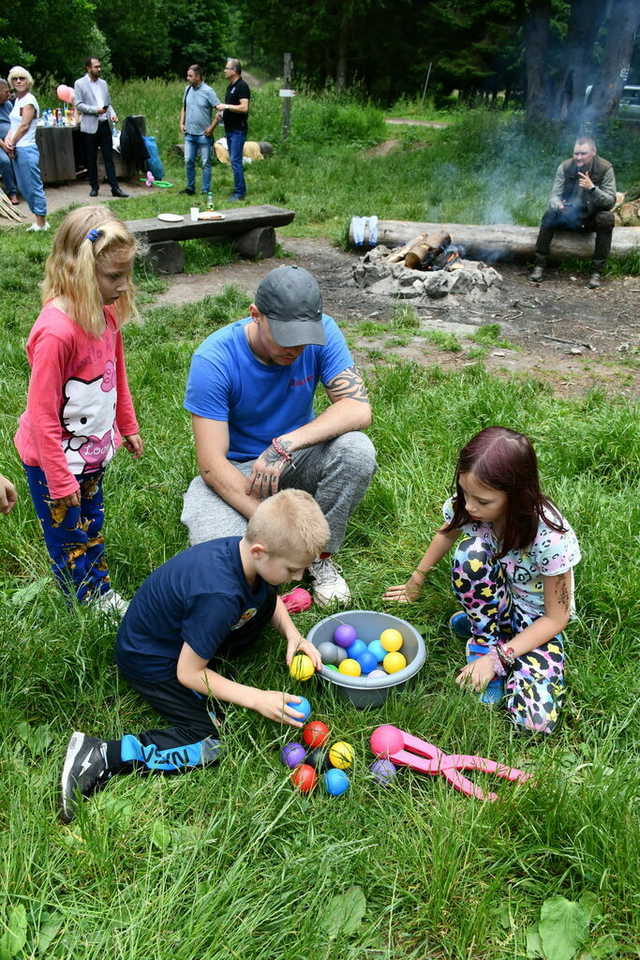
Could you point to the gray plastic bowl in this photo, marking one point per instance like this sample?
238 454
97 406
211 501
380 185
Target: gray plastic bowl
369 624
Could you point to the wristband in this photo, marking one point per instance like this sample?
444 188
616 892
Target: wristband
506 655
420 573
496 662
280 450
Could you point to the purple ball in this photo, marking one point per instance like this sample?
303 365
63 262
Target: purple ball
357 647
345 635
293 754
383 771
367 661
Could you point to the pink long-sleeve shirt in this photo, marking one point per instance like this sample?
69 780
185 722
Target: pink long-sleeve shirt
79 404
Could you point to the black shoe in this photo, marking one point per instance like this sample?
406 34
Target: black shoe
536 275
119 193
188 190
93 192
85 772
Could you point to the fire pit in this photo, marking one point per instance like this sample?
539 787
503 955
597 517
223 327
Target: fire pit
431 266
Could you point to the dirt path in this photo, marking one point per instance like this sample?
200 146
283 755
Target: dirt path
561 332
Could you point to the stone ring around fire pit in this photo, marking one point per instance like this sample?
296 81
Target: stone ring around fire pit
438 269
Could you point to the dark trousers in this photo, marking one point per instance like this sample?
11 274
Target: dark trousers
73 535
102 139
235 143
192 740
601 223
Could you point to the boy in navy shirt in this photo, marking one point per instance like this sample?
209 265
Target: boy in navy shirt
209 602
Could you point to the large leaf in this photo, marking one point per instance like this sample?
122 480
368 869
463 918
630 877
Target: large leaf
345 912
563 927
534 943
160 835
15 936
51 923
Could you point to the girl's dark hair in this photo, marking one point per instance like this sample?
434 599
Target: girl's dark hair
505 460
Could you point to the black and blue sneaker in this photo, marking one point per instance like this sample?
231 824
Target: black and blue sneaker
85 771
459 624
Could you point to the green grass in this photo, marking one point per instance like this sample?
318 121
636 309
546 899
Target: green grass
230 862
444 341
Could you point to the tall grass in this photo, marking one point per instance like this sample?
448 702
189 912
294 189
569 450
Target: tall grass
230 862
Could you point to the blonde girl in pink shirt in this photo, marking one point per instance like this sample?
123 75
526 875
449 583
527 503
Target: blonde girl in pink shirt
79 408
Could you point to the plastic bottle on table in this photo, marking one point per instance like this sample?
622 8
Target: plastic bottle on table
210 200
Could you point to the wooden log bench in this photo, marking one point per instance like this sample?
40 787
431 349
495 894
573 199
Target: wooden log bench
496 241
252 230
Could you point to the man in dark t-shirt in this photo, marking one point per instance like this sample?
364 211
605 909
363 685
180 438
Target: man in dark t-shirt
235 113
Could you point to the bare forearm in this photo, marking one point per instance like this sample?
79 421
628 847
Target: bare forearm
282 621
215 685
337 419
539 632
229 484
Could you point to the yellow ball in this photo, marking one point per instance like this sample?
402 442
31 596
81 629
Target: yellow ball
341 755
351 668
301 667
393 662
391 640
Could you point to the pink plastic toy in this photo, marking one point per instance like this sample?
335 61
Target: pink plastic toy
407 751
297 600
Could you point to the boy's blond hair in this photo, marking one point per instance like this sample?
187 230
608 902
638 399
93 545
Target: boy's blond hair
289 524
87 236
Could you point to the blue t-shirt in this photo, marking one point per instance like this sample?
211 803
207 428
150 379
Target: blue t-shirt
199 103
259 401
198 597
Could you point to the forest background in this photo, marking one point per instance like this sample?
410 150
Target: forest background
541 53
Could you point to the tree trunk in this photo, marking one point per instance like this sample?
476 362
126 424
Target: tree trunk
345 15
584 25
623 24
498 241
536 38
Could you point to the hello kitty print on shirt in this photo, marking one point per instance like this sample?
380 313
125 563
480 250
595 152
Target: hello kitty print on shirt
88 420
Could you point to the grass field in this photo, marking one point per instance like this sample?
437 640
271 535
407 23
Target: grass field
230 862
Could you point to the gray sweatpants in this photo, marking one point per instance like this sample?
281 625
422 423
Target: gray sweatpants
337 473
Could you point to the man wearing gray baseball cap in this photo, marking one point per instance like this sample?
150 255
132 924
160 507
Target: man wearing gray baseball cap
250 394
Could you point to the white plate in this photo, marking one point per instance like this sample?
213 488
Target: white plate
170 217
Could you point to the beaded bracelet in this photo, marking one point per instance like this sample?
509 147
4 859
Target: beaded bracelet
496 662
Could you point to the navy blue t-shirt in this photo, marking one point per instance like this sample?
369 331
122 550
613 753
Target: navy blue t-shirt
198 597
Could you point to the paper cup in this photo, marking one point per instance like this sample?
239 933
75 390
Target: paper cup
195 213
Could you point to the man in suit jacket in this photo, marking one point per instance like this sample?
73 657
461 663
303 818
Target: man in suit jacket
93 103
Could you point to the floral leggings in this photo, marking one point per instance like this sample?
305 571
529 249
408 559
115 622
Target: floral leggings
535 686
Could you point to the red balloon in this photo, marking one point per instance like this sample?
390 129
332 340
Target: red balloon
304 778
316 733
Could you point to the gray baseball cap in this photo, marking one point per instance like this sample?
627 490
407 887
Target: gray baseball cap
291 301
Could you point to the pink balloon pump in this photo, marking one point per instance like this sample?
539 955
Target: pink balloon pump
65 93
149 182
405 750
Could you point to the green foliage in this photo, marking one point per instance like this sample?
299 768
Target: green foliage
50 33
444 341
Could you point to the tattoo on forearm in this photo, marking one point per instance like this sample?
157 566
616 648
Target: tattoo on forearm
348 385
562 593
272 456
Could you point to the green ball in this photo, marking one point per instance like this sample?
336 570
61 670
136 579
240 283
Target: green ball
331 666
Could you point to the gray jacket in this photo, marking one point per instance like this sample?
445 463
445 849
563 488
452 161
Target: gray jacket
567 190
84 92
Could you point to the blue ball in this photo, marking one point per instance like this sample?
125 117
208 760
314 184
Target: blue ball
303 707
336 782
357 647
376 648
367 661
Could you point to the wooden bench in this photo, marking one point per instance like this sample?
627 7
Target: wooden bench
252 230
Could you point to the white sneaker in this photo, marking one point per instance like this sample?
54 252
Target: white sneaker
35 228
328 585
111 603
